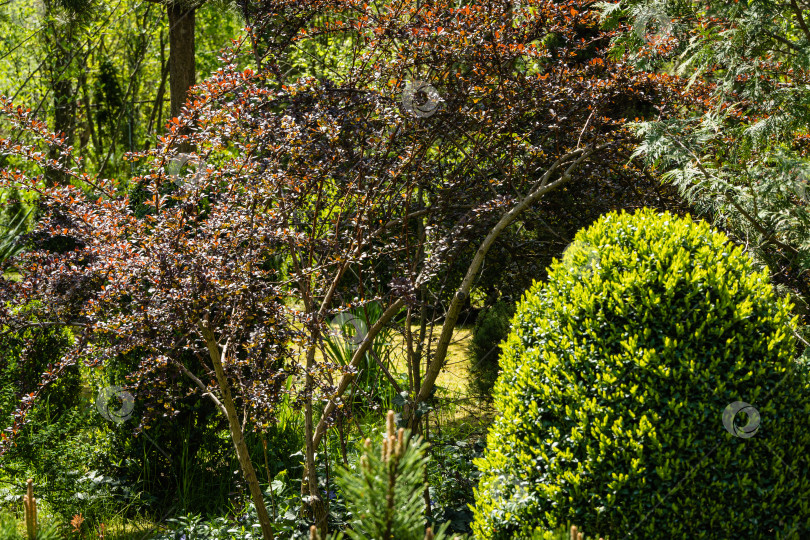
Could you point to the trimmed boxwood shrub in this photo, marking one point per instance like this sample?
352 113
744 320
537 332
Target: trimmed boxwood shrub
614 381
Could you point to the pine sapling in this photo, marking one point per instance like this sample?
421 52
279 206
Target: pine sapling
385 494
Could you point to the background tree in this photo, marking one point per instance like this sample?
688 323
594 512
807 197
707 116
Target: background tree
739 153
182 68
110 64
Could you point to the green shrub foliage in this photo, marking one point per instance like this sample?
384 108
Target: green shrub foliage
24 356
491 328
613 386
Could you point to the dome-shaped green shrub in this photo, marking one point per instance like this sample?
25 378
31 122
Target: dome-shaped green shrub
615 378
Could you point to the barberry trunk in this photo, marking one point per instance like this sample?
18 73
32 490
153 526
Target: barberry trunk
237 437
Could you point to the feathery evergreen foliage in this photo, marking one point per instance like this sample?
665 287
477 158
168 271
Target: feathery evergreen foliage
740 150
385 495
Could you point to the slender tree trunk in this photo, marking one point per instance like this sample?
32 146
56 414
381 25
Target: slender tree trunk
91 121
64 106
420 344
182 70
237 437
315 501
309 481
61 50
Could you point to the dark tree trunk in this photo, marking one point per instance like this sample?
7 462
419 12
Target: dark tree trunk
182 72
61 50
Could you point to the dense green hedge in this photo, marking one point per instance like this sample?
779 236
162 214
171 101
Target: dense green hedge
615 379
490 330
